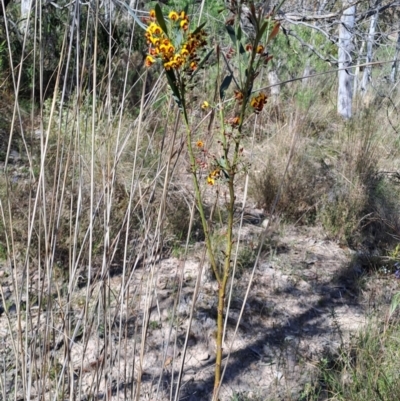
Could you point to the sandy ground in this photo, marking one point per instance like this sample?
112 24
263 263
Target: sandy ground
308 295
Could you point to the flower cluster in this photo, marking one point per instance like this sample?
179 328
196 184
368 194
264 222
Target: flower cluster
162 47
214 175
257 103
259 50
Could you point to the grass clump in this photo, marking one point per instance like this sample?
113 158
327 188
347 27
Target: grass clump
366 369
335 180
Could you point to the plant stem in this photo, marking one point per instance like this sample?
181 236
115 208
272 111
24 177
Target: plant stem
199 200
225 278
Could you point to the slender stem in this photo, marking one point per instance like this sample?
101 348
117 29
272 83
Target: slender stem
220 327
199 200
223 284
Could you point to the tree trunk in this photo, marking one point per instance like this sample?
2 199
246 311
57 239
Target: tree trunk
25 10
370 44
393 72
275 87
346 31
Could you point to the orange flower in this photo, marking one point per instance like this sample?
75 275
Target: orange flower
154 51
238 96
233 121
200 144
149 61
258 102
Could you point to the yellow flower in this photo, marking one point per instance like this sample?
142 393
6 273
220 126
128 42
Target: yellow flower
184 24
205 105
178 59
193 65
214 175
260 49
155 41
149 61
182 15
200 144
258 102
152 14
184 52
168 65
167 49
154 29
173 16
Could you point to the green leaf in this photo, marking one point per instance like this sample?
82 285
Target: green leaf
225 85
239 33
199 28
186 8
160 19
206 57
261 31
232 35
172 84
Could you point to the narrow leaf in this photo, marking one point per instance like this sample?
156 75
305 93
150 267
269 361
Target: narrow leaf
199 28
274 31
261 31
239 33
225 85
206 57
160 19
231 33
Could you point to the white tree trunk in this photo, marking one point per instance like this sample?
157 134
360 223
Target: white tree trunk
393 72
356 81
370 44
108 7
275 87
24 20
345 91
